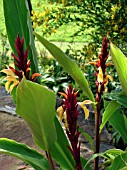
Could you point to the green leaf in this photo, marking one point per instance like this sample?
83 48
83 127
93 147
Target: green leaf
114 151
110 109
91 158
36 105
84 162
124 168
18 21
107 155
24 153
122 99
88 137
125 121
117 121
13 94
119 162
69 65
59 151
120 62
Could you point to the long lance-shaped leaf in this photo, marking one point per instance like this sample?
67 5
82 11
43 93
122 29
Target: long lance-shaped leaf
110 109
114 152
92 158
24 153
88 137
84 162
60 152
68 64
17 21
36 105
111 152
122 99
118 122
119 162
120 62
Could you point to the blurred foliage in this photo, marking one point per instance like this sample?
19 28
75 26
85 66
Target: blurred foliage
98 17
4 56
53 75
102 17
5 59
117 139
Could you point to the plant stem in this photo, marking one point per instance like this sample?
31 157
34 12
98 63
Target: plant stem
50 160
97 125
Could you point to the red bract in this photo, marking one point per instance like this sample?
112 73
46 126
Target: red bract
70 107
22 64
21 61
100 73
102 77
103 56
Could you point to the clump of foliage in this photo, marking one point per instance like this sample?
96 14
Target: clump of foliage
100 17
4 56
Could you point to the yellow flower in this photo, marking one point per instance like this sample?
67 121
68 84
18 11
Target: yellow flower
112 16
122 30
41 15
100 75
36 13
46 19
106 79
53 30
47 11
115 28
32 12
11 79
114 8
63 2
86 111
62 116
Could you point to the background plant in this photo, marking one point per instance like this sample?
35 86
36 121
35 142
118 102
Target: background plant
4 55
4 59
100 17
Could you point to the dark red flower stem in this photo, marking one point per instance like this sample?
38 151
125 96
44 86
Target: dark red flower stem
97 125
101 63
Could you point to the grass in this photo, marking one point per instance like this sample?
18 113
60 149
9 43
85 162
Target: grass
62 38
63 34
2 23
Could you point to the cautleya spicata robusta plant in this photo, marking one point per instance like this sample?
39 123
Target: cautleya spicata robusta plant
23 83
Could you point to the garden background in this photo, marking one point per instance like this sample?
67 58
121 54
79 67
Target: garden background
78 28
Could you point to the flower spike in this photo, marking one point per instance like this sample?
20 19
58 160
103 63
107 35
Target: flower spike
22 64
69 113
